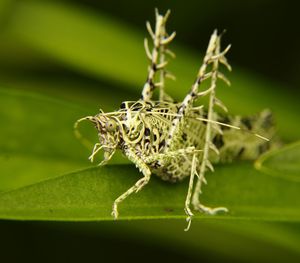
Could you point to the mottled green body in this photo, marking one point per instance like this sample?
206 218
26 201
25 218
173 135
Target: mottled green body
149 132
178 140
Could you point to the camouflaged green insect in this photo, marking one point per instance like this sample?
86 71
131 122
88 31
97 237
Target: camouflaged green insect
177 140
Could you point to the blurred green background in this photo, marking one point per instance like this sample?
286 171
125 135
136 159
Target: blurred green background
90 54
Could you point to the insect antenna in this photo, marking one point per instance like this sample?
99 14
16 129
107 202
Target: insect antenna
87 143
212 121
234 127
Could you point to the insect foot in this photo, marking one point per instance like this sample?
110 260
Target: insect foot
115 212
189 218
209 210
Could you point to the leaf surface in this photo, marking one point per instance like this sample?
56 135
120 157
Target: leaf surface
88 195
283 163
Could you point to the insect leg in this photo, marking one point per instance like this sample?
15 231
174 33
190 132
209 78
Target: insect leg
96 149
189 194
108 154
157 57
208 144
137 186
200 207
213 56
171 154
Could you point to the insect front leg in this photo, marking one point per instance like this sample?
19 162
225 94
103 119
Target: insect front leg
137 186
108 154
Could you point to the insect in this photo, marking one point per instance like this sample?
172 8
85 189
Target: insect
178 140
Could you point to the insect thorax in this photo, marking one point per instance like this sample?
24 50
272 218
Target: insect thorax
144 128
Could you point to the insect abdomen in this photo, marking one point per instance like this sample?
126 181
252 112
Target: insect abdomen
243 144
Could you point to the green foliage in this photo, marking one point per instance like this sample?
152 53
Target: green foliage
283 163
89 194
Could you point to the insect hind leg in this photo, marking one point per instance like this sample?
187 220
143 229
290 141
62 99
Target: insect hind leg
157 57
200 207
189 194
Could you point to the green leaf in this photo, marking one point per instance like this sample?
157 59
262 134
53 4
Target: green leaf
4 7
100 47
30 148
37 139
283 163
89 194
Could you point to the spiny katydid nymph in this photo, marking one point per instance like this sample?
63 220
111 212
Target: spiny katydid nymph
177 140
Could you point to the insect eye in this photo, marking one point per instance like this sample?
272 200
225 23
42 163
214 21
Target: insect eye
111 125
